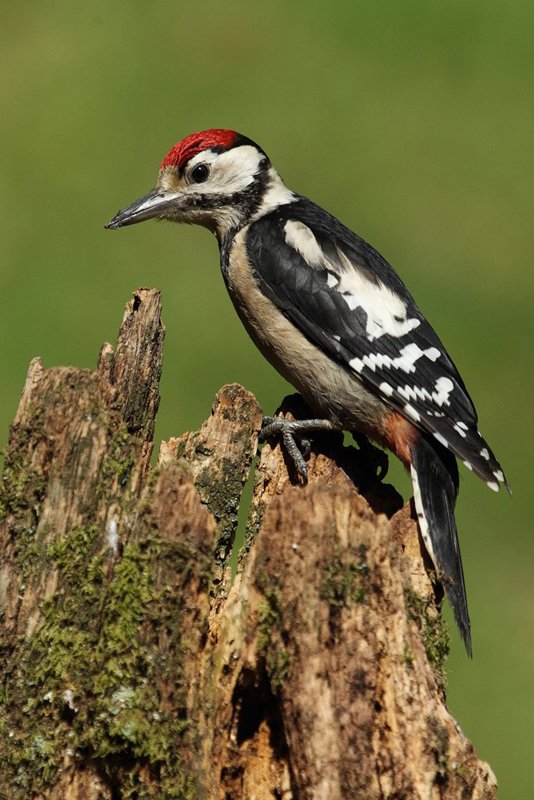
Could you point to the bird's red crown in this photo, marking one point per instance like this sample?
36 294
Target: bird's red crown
180 154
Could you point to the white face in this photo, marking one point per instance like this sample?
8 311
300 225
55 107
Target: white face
220 191
226 175
229 172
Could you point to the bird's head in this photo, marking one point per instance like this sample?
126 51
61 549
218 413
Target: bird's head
216 178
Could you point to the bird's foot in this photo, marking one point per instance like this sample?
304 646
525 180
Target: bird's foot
377 458
287 429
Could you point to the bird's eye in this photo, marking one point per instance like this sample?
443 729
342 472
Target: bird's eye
200 173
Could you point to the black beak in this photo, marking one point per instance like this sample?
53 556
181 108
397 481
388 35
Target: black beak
153 204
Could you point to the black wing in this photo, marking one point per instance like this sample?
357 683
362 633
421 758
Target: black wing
346 299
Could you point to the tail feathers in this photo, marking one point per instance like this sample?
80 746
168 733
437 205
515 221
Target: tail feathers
435 486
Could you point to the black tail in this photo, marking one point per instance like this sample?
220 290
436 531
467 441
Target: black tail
435 488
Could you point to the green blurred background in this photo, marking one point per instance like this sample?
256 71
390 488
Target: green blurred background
412 121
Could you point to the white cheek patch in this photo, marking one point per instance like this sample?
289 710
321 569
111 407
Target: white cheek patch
231 172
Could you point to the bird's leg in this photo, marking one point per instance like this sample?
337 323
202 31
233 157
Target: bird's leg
286 428
377 458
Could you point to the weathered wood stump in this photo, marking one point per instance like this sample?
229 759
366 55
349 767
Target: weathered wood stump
134 667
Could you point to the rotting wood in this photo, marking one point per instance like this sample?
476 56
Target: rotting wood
133 668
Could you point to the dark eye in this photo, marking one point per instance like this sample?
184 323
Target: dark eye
199 173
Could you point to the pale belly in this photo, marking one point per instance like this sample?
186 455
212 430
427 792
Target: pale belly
332 391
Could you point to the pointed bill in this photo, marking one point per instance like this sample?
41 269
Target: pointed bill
153 204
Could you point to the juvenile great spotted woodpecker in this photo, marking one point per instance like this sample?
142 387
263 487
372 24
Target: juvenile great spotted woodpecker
333 317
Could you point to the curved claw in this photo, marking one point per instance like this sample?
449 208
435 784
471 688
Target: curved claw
274 426
278 426
294 453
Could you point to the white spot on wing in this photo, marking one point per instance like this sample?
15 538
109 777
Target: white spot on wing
485 453
386 388
405 360
441 439
493 486
443 388
499 475
457 427
468 465
412 412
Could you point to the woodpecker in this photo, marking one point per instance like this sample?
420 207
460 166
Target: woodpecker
334 318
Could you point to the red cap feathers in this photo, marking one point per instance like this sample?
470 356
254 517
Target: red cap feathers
195 143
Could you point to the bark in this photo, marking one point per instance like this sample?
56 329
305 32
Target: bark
134 667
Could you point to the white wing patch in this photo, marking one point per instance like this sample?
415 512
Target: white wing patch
302 239
404 361
386 388
385 311
412 412
460 428
440 396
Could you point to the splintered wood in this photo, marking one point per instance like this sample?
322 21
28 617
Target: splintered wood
134 665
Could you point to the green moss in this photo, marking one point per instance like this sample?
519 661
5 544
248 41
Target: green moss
434 632
270 638
21 492
408 656
89 679
123 453
269 613
344 580
462 771
222 496
20 489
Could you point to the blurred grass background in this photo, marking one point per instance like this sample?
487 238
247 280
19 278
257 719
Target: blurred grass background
411 121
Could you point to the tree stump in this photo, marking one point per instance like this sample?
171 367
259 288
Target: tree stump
134 665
